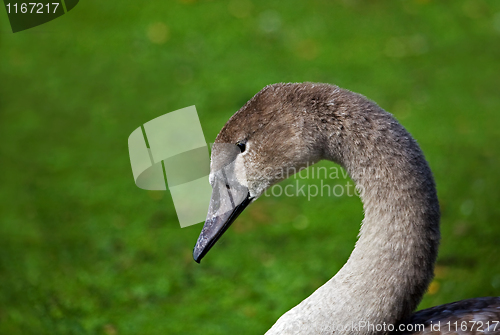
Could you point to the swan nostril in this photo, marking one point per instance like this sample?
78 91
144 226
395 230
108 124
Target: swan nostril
227 186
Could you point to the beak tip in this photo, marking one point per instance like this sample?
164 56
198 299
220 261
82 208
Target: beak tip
214 228
197 256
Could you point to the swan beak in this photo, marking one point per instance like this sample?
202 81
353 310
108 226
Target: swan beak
217 223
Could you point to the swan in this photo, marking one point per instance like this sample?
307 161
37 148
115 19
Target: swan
286 127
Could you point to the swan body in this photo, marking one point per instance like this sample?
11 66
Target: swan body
286 127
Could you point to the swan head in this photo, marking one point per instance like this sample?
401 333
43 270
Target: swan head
263 143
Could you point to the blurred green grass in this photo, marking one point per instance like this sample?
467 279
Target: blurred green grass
84 251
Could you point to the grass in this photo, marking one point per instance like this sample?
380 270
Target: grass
84 251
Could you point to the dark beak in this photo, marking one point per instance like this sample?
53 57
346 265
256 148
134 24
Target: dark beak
229 197
215 226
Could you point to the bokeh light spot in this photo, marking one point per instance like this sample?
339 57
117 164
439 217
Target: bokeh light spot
158 32
307 49
301 222
240 8
433 288
156 195
269 21
440 271
474 9
467 207
401 109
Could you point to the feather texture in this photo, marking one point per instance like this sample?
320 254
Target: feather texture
288 126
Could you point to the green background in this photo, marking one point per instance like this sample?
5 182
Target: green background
84 251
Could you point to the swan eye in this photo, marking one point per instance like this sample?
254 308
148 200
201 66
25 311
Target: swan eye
241 145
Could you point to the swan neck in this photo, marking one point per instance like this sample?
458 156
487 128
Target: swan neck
392 263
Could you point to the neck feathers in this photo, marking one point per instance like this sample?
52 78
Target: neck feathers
393 261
